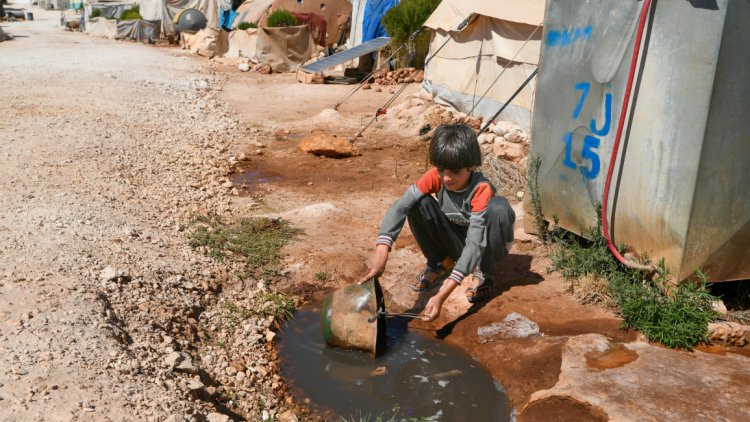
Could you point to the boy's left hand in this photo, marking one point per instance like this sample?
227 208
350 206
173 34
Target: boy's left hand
432 310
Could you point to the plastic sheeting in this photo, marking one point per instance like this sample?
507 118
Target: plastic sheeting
243 44
374 10
285 48
165 10
357 22
102 27
4 36
468 64
335 12
112 10
138 30
316 24
252 11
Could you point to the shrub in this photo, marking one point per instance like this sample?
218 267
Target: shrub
280 18
246 25
403 20
131 14
95 13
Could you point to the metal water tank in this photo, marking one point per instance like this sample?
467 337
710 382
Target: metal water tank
681 185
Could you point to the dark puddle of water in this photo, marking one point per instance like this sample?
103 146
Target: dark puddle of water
424 377
248 180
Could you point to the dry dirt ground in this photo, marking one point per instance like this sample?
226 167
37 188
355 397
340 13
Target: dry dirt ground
108 150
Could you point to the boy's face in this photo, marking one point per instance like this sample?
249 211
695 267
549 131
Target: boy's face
454 179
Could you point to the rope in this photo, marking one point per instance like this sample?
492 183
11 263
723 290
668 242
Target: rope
523 85
504 69
366 78
384 109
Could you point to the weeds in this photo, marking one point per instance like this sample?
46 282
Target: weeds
280 18
277 304
133 13
256 241
676 316
242 26
321 276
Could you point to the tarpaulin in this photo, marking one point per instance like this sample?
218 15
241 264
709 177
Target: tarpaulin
252 11
374 10
112 10
316 24
335 12
102 27
285 48
138 30
243 44
165 10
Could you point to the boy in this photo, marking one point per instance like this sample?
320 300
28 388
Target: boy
462 226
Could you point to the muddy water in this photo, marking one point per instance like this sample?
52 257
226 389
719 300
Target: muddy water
249 180
417 377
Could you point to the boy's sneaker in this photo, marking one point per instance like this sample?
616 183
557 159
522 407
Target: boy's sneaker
484 288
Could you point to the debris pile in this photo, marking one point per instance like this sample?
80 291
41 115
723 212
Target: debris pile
398 76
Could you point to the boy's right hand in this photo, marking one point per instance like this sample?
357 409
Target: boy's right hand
376 263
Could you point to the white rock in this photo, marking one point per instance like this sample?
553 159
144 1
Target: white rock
217 417
110 273
514 325
244 67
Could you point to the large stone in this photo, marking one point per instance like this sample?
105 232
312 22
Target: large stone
327 146
729 333
508 150
640 381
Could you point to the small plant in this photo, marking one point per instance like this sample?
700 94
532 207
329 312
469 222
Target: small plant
321 276
540 224
246 25
676 316
277 304
402 21
280 18
95 13
131 14
256 241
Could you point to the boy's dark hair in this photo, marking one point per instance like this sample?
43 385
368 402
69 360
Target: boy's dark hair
455 147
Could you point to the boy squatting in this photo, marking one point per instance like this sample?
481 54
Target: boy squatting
462 227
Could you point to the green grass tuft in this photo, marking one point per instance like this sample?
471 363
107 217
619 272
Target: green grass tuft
246 25
256 241
280 18
131 14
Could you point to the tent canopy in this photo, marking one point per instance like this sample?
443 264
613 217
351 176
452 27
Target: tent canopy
450 13
490 55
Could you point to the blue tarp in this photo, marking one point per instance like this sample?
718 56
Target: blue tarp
226 18
374 11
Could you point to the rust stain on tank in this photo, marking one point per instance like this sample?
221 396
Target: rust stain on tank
615 357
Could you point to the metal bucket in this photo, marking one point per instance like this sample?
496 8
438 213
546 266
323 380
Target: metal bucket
351 319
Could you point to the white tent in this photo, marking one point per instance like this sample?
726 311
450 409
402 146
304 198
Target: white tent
495 39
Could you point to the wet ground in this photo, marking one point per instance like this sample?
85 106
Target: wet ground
418 376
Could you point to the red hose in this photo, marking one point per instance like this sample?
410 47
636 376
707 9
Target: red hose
616 146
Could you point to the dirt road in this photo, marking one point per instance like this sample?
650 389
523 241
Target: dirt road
108 150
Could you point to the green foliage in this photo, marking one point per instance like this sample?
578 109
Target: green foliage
276 304
676 316
402 21
256 241
407 17
321 276
131 14
95 13
280 18
246 25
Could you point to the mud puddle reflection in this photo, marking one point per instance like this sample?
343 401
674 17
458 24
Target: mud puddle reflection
418 376
248 180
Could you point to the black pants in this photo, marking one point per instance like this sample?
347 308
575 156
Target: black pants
439 238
